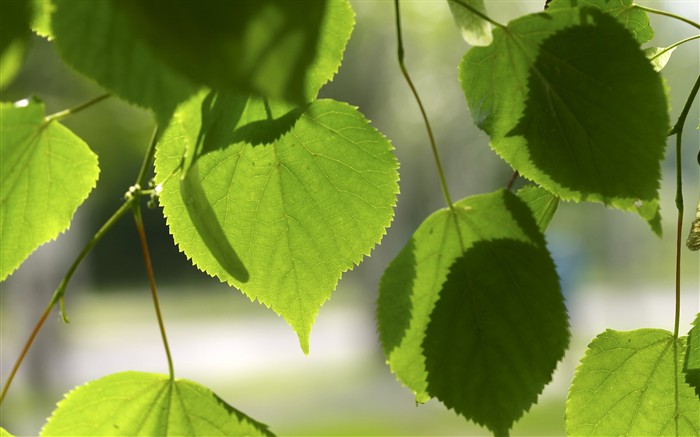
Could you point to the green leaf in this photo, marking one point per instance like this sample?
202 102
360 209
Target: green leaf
630 383
272 48
4 433
659 56
470 311
138 403
14 30
278 207
583 118
41 23
635 20
46 173
691 367
542 203
475 30
97 39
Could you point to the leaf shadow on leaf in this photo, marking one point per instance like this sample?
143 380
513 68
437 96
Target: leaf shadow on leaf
394 307
692 369
208 226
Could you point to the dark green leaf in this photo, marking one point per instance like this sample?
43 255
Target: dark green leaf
137 403
274 48
276 205
97 39
542 203
691 367
46 173
14 30
470 311
583 118
631 383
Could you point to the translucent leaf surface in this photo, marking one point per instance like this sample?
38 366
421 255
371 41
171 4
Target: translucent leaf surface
542 203
97 39
148 404
470 311
691 366
46 173
475 30
273 48
278 207
41 22
4 433
583 118
631 383
658 56
635 20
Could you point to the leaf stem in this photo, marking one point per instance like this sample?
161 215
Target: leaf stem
673 46
511 181
66 112
148 159
436 155
480 14
666 14
58 295
152 281
678 131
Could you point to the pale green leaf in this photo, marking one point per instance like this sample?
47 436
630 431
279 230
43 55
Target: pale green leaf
147 404
659 56
635 20
46 172
691 367
41 22
631 383
471 312
97 39
278 49
475 30
542 203
583 118
278 207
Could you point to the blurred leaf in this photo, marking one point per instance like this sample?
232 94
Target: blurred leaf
41 23
97 39
542 203
274 48
470 311
279 204
14 30
46 173
631 383
691 366
543 92
659 56
4 433
137 403
635 20
475 30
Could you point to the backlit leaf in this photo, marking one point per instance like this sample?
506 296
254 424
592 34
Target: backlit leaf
691 367
658 56
4 433
41 22
542 203
46 173
583 118
278 207
470 311
631 383
475 30
137 403
273 48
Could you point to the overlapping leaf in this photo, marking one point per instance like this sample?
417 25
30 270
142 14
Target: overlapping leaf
276 201
269 47
137 403
46 173
542 203
475 30
631 383
585 119
14 29
470 311
691 366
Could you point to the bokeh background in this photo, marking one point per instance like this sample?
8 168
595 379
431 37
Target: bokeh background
615 273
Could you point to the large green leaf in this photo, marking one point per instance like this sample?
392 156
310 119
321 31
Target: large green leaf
691 367
46 172
277 202
635 20
470 311
631 383
148 404
97 39
274 48
475 30
584 118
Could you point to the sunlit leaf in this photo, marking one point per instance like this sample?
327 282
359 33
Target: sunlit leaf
276 205
691 367
658 56
631 383
475 30
470 311
272 48
4 433
542 203
41 22
137 403
46 173
583 118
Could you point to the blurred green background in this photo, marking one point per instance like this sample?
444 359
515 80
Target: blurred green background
615 272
